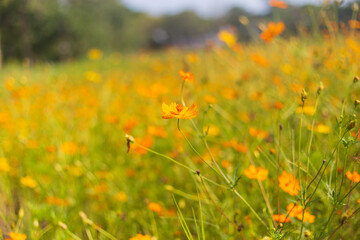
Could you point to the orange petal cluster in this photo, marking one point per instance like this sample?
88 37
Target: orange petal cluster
295 210
258 173
16 236
273 30
141 237
281 218
235 145
178 111
278 4
155 207
187 76
353 176
289 183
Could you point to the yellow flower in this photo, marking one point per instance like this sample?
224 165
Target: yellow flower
28 182
121 197
94 54
16 236
92 76
178 111
4 166
308 110
227 37
69 148
141 237
258 173
321 128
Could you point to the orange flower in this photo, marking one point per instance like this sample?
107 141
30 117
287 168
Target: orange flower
297 211
147 142
353 176
187 76
354 24
278 4
289 183
272 31
16 236
235 145
260 60
155 207
281 218
141 237
258 173
178 111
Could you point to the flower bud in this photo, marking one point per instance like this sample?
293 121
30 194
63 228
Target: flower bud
356 79
304 95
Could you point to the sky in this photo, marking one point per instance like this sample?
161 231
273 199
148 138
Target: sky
205 7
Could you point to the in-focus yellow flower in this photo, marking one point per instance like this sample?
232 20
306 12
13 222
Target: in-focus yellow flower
28 182
178 111
187 76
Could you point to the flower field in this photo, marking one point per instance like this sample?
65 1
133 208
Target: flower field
250 141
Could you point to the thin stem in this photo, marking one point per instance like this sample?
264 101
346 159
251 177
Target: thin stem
248 205
336 229
217 207
164 156
193 148
263 192
180 164
278 171
310 141
299 164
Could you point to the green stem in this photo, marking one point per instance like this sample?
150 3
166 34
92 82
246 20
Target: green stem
197 153
180 164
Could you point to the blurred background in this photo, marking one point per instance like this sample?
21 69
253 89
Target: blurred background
55 30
